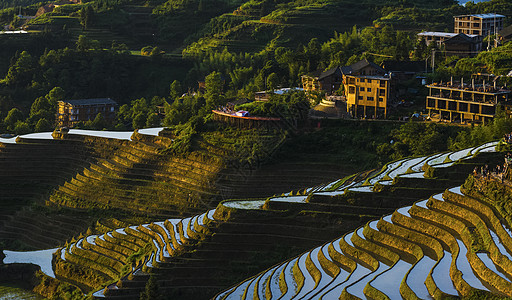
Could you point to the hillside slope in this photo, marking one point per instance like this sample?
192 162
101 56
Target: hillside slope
198 256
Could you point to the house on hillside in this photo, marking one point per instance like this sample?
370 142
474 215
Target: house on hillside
404 70
328 81
479 24
401 72
367 96
463 102
70 112
460 44
367 90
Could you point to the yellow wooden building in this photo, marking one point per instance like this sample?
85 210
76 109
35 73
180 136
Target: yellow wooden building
367 96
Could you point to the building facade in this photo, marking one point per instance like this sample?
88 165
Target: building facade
460 44
463 103
328 81
479 24
367 96
70 112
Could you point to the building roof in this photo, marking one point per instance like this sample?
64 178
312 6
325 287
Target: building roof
96 101
372 77
482 16
329 72
444 34
461 37
347 70
403 66
436 33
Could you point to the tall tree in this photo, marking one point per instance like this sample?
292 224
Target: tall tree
86 15
22 70
83 43
175 90
421 49
272 81
13 116
214 86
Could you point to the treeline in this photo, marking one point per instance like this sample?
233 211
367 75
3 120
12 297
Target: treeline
16 3
250 72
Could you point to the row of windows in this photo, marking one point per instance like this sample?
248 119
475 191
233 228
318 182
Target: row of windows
361 98
468 24
382 83
77 111
352 90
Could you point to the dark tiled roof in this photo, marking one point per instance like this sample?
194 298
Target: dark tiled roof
403 66
329 72
96 101
461 37
359 65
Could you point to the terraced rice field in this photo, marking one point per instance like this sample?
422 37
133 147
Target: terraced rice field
382 258
413 251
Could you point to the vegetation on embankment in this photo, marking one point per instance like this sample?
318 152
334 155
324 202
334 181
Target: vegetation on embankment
361 145
492 191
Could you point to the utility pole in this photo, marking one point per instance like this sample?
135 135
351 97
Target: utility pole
495 32
433 60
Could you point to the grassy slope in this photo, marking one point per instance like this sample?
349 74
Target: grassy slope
295 22
239 25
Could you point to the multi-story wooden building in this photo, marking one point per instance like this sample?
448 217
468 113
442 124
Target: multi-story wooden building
367 96
460 44
462 102
479 24
328 81
70 112
367 90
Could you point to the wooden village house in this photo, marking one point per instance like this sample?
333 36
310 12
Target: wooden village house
70 112
328 81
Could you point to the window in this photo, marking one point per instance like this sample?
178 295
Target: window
382 83
381 99
359 97
369 90
362 79
382 92
369 98
351 90
361 89
369 81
